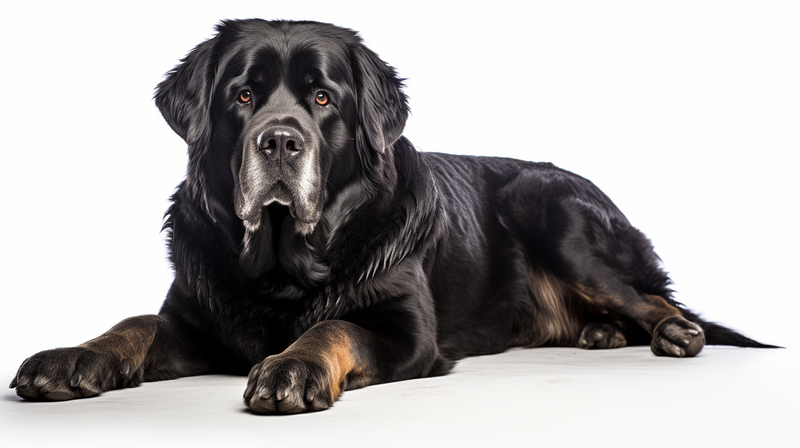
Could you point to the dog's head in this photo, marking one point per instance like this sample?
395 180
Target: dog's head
281 112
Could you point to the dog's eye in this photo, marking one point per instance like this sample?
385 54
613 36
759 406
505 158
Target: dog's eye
245 96
321 98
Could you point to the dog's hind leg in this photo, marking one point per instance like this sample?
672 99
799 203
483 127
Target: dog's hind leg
571 229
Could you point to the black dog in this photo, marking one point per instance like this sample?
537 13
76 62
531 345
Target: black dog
316 249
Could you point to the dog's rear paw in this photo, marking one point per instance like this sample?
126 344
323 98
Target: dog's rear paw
596 335
677 337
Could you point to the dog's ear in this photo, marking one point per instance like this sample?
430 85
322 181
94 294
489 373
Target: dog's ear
183 96
382 105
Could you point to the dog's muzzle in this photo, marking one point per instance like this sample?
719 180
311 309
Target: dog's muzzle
279 165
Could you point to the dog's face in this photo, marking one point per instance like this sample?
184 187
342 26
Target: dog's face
280 112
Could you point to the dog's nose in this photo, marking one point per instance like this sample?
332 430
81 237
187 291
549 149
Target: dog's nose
281 141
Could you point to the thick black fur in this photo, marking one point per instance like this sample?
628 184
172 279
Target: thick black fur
348 258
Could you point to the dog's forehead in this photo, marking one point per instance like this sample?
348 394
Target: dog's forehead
317 46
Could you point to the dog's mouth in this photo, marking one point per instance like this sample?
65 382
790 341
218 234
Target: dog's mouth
279 193
249 208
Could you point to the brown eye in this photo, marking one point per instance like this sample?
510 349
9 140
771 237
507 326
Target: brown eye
321 98
245 96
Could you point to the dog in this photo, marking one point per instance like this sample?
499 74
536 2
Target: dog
316 250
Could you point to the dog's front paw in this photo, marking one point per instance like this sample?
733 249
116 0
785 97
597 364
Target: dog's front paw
283 384
67 373
677 337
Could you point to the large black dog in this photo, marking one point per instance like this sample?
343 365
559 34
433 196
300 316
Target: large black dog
316 249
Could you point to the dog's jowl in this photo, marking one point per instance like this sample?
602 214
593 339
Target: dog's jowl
316 250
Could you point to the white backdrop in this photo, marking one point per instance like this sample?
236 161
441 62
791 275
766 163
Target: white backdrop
685 113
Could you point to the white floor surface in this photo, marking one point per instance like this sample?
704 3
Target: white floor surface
562 397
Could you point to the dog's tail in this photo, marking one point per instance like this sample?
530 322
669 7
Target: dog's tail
717 334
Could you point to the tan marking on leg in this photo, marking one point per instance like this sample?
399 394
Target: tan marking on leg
560 310
339 362
549 294
129 340
647 310
331 344
653 311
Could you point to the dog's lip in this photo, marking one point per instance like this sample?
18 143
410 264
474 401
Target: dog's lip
277 193
249 207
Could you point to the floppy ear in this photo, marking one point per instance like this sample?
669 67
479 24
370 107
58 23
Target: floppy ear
183 96
382 105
